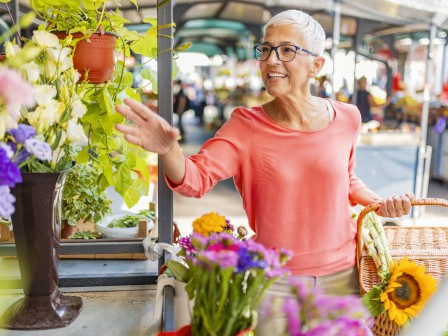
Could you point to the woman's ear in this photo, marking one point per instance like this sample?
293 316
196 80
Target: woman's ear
318 64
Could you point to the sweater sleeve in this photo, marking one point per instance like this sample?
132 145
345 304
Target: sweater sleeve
355 182
218 159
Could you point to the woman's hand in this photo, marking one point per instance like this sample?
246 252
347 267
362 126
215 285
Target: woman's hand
148 130
396 206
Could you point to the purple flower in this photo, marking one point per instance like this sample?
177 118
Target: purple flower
6 202
39 148
248 259
185 243
292 310
223 258
9 172
23 132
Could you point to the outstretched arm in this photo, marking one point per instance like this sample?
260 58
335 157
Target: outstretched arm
155 134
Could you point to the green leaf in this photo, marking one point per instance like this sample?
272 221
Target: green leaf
146 45
372 301
83 155
180 272
150 75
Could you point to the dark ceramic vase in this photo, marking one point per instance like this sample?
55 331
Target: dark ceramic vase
37 225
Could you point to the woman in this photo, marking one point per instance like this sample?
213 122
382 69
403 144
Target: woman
292 158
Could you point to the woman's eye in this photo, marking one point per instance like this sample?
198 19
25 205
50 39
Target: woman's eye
287 50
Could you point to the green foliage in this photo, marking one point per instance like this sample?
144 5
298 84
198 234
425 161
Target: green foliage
82 196
85 235
129 221
179 271
119 164
372 301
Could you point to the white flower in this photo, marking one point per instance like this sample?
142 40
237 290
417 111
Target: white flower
6 201
31 71
8 150
78 109
44 39
61 57
75 134
76 76
50 70
44 94
57 153
6 122
11 49
39 148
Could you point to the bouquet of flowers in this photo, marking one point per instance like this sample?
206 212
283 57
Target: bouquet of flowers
47 65
18 142
404 288
311 313
227 277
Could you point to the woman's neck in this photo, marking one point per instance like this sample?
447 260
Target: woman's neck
301 113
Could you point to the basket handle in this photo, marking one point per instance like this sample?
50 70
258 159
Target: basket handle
376 206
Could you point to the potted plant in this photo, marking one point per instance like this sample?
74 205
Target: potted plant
82 199
95 32
124 225
121 165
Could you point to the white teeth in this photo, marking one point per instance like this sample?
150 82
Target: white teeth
277 75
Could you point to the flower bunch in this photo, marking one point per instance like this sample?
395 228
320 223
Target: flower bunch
204 225
309 312
229 277
404 288
46 63
17 141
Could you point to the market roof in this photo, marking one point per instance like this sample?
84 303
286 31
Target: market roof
217 25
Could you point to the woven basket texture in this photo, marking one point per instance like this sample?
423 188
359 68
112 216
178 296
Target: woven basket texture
425 245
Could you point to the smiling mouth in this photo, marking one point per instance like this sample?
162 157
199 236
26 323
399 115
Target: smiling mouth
276 75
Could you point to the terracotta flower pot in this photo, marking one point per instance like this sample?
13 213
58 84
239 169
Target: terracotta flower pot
94 55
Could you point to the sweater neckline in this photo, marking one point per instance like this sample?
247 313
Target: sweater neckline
273 122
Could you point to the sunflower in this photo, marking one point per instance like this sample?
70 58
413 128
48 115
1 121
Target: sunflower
407 291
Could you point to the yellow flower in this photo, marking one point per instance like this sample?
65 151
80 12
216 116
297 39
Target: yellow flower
209 223
407 291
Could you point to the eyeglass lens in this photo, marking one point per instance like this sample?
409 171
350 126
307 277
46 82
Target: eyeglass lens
285 53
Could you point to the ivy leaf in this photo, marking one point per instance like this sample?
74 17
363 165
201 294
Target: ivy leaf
372 301
150 75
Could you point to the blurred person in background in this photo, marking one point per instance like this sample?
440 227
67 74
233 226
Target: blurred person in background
365 101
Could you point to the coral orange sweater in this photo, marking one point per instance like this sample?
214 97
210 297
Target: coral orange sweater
296 186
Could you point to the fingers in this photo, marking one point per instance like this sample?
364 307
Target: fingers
396 206
127 129
139 109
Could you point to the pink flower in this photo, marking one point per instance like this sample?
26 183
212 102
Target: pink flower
14 91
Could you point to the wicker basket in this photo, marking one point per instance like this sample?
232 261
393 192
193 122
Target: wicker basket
425 245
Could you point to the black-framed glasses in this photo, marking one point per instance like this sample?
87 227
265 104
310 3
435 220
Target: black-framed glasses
284 52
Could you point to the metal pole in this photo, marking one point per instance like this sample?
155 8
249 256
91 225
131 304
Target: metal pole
424 121
336 37
165 110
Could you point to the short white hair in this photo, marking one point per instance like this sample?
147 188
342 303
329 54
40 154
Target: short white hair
312 32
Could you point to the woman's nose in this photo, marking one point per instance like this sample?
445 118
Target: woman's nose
273 57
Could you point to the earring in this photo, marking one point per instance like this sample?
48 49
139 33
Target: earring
311 74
